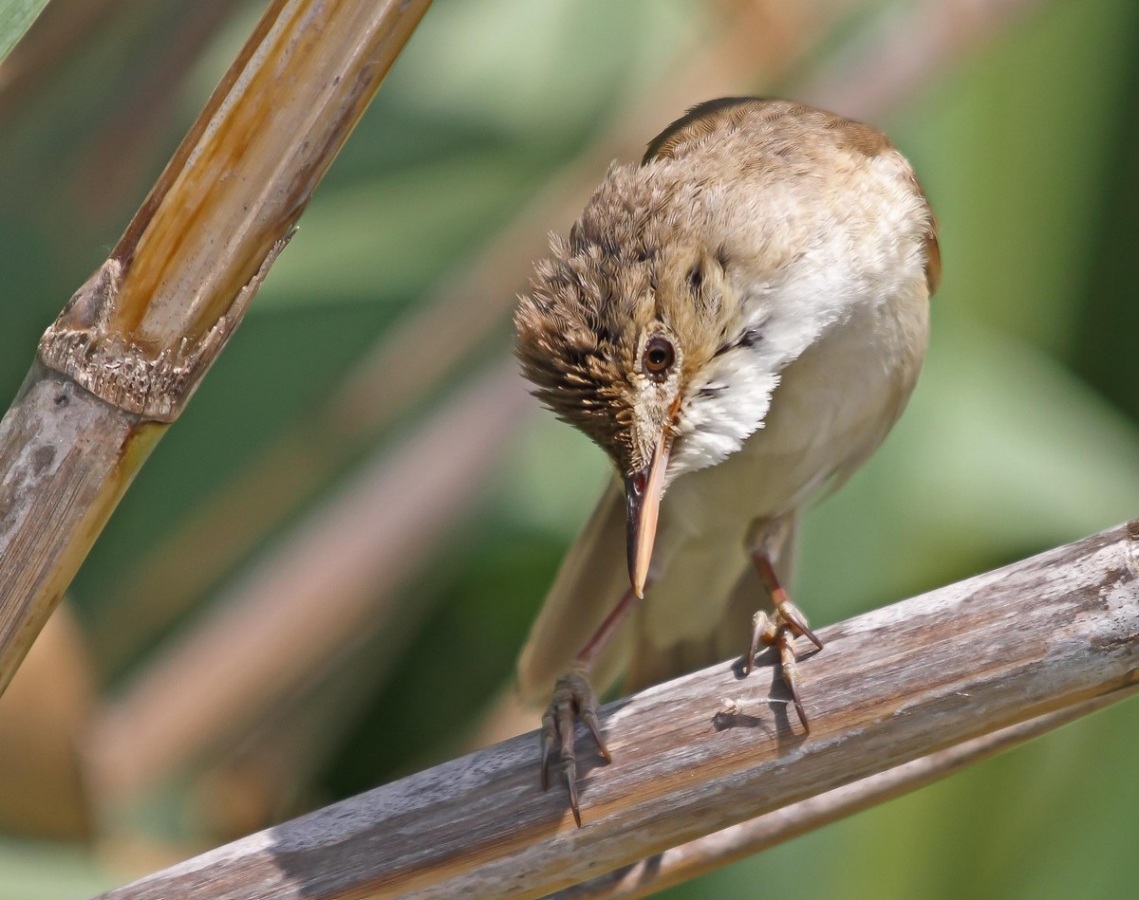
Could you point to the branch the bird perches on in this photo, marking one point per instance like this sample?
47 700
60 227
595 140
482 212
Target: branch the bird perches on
960 671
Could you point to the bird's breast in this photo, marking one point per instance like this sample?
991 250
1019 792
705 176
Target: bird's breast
833 406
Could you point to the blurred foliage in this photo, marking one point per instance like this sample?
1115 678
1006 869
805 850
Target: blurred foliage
16 17
1024 432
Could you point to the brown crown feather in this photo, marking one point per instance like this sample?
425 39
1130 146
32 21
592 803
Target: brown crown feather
570 345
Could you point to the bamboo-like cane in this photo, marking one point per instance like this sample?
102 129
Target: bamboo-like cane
128 350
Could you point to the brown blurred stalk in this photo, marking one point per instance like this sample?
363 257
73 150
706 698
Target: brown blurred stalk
110 167
331 583
128 350
60 28
44 718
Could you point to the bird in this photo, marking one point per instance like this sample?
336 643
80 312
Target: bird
737 321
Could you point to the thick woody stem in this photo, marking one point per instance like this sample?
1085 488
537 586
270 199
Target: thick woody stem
1056 633
708 853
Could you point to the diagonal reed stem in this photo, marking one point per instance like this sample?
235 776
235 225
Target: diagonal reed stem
128 350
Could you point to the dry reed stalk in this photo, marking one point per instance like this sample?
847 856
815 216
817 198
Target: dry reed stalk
128 350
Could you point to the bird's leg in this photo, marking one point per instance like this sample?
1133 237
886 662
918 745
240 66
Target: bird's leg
573 697
786 612
779 629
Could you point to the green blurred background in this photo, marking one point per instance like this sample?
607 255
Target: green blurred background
1023 433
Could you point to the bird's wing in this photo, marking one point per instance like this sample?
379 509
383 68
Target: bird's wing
590 582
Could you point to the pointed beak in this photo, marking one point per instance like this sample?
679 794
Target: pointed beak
643 490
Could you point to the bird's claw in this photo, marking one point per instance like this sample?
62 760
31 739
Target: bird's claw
573 697
788 614
780 630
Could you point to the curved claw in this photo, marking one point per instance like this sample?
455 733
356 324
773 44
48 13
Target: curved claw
778 630
573 697
791 674
796 620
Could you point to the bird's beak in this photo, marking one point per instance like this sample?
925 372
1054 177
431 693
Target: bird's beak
643 490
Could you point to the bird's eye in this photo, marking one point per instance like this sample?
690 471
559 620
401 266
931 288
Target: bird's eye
659 357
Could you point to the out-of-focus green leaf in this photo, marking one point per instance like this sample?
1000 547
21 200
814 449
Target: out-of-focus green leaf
384 238
31 871
1001 453
1012 150
16 17
567 58
556 476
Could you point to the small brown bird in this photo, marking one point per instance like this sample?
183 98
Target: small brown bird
737 322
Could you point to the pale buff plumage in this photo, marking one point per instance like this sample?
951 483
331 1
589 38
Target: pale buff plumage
788 255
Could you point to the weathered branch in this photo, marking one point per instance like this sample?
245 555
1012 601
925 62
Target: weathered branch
130 347
739 841
892 686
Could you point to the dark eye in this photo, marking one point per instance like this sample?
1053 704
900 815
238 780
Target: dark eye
658 357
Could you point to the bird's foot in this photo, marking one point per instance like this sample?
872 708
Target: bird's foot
573 697
780 630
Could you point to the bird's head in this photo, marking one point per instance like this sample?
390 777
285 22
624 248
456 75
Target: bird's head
635 332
